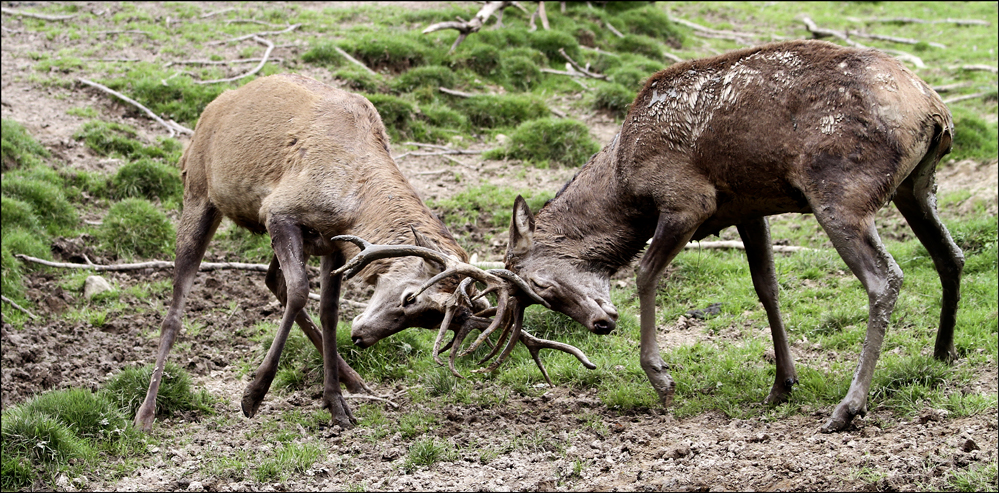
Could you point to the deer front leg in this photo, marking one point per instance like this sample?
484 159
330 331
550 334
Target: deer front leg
857 241
348 377
286 239
329 314
755 235
197 226
672 233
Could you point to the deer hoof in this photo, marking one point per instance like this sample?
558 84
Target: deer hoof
250 404
340 412
144 420
781 391
842 416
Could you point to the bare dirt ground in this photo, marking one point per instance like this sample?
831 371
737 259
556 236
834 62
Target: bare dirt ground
562 440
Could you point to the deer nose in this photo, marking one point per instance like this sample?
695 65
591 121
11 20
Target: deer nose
359 341
603 326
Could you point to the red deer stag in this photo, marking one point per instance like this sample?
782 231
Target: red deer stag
802 126
304 161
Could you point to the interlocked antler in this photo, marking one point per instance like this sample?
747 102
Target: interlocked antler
509 311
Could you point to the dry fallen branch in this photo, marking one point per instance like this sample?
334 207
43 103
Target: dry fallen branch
819 33
373 398
261 34
44 17
951 87
981 68
173 127
126 31
968 96
893 39
465 28
580 68
263 61
217 12
249 21
613 30
354 60
19 307
457 93
540 12
218 62
738 245
707 32
910 20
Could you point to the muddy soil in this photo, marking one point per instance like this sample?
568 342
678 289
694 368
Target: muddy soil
560 440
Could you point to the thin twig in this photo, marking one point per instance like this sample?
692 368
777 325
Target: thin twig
714 33
579 67
982 68
172 127
248 21
127 31
613 30
263 61
457 93
217 12
557 112
33 15
371 397
910 20
672 57
968 96
951 87
153 264
354 60
465 28
19 307
219 62
738 245
893 39
250 36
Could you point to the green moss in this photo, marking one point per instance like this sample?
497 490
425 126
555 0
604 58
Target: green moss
148 179
614 98
19 149
134 227
501 110
521 73
564 142
430 76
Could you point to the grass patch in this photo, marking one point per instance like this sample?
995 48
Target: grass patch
128 389
18 148
427 451
287 460
561 142
148 179
136 228
502 110
486 206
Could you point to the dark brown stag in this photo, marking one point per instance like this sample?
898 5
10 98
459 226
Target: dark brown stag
804 126
304 161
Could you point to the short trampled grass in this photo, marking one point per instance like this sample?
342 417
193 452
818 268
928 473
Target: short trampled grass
427 451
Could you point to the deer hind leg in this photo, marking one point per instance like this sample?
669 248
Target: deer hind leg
197 225
672 233
286 239
857 241
329 315
348 377
755 235
916 201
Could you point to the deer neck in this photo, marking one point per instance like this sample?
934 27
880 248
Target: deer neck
594 219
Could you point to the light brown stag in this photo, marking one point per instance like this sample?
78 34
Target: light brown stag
802 126
303 161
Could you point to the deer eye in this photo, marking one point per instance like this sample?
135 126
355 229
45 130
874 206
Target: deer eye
408 299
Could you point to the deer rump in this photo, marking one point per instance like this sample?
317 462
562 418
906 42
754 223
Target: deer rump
803 126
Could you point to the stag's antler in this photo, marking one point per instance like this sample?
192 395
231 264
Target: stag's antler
509 310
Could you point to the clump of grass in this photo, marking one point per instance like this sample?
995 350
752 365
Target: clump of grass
360 80
128 389
288 460
34 446
134 227
110 139
550 42
521 72
976 478
545 141
397 114
148 179
974 138
629 76
381 52
904 383
432 76
502 110
487 205
653 22
44 196
427 451
613 98
94 416
19 148
479 58
182 100
639 44
323 54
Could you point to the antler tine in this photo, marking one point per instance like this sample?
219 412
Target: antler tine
371 252
507 325
452 304
501 304
520 283
455 345
517 324
536 344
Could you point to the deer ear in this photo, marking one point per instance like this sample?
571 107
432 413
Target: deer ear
521 228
